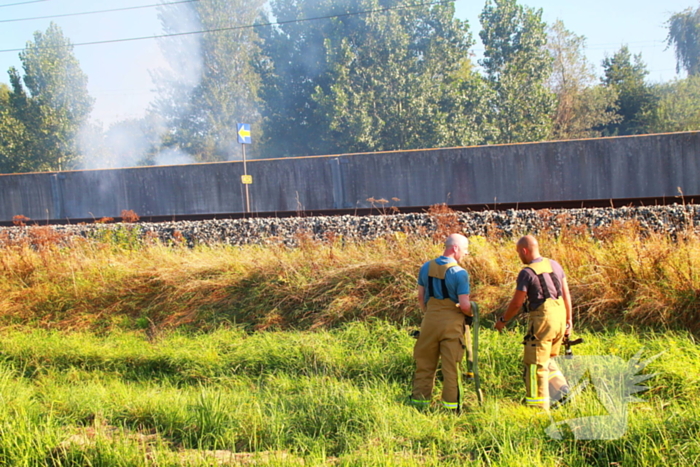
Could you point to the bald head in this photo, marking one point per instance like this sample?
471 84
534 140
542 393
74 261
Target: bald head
456 239
456 246
528 249
529 242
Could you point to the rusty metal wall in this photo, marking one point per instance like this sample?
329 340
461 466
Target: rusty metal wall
605 168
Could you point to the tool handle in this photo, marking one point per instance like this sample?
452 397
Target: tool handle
475 353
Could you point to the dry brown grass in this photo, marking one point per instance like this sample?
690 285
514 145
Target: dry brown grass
617 275
446 221
129 216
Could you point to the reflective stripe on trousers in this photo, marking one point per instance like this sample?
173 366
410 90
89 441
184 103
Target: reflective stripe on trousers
450 405
546 327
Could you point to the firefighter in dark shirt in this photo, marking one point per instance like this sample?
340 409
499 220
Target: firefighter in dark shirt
542 287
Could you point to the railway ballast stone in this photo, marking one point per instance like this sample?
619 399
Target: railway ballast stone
293 230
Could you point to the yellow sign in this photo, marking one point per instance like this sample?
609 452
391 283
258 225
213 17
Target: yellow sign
247 179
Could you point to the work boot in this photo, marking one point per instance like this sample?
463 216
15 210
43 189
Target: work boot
562 398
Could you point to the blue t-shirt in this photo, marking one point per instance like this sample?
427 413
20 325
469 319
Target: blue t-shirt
456 279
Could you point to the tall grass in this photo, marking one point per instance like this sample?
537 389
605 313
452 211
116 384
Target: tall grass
130 353
617 275
75 399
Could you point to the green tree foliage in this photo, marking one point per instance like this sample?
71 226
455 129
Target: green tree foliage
13 137
292 63
41 116
211 84
678 107
396 77
684 35
396 84
582 105
517 66
635 99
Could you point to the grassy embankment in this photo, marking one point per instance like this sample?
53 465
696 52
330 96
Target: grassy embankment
116 353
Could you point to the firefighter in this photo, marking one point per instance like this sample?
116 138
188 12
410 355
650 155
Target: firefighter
443 297
541 291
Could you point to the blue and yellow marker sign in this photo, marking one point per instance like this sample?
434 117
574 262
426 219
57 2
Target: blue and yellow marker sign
244 133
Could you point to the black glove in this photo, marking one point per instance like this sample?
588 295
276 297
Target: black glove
469 320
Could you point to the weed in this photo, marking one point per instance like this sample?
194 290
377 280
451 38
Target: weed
381 205
620 275
120 236
20 220
129 216
446 221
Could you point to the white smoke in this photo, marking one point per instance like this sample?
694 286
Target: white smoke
183 54
123 145
173 157
135 142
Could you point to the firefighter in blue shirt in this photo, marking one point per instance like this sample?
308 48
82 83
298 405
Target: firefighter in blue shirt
443 296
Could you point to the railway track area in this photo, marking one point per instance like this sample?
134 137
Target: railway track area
371 224
378 209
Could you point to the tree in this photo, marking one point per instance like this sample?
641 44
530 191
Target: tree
678 107
635 100
46 107
582 106
517 66
13 137
4 95
684 34
394 82
211 84
292 63
389 78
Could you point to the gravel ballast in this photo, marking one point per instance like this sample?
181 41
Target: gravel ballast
661 219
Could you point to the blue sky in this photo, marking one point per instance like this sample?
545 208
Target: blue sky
119 73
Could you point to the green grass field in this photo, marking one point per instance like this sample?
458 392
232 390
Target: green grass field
114 352
331 397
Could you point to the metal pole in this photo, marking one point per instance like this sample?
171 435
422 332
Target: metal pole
245 172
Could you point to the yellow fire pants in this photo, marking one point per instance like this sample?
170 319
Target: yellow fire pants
546 327
441 337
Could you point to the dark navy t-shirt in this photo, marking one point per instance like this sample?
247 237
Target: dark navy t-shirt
528 282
